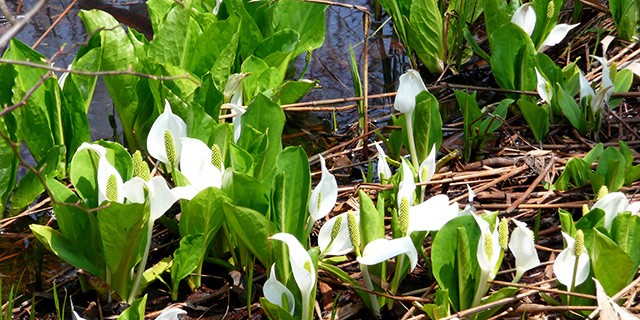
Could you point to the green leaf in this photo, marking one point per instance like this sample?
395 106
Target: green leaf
186 258
8 158
40 123
66 250
571 109
445 258
505 292
575 175
246 191
611 165
550 70
472 115
427 124
216 56
169 46
467 285
426 34
625 16
537 118
545 21
371 220
291 196
293 91
611 265
440 307
625 231
136 311
495 15
513 58
30 187
307 19
274 311
117 54
252 228
123 229
566 222
622 83
204 214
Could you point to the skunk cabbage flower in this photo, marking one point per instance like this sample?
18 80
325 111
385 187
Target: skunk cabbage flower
614 203
110 185
274 291
237 111
163 142
382 249
523 248
525 18
323 197
217 7
488 253
384 171
161 198
544 88
428 166
566 260
410 86
334 239
64 76
607 87
304 271
170 314
201 165
585 87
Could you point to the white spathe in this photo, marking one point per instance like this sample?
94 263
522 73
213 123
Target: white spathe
523 248
324 195
196 165
167 121
566 260
488 253
410 86
544 88
342 243
382 249
428 166
105 171
384 171
432 214
275 290
525 18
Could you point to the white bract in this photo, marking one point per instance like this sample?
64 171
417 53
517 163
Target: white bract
382 249
323 197
410 86
166 126
170 314
341 244
613 204
428 166
110 185
544 88
275 290
566 260
523 248
488 253
196 165
304 271
384 171
234 100
525 18
161 198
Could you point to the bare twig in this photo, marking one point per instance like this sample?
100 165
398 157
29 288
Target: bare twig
17 27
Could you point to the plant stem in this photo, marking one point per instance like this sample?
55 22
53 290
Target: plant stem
573 280
482 288
134 290
412 144
364 269
395 282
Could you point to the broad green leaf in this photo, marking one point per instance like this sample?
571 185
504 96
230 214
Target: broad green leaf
545 19
426 34
467 285
622 83
215 49
440 307
625 231
427 124
241 160
250 35
88 58
472 116
575 175
117 54
495 15
505 292
571 109
537 118
625 16
186 259
513 58
252 228
40 123
246 191
371 220
305 18
611 165
158 10
266 116
566 222
123 229
611 265
496 118
30 187
445 256
550 70
274 311
136 310
594 154
199 123
170 46
8 158
66 250
291 197
293 91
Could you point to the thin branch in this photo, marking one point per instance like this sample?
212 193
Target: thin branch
6 37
